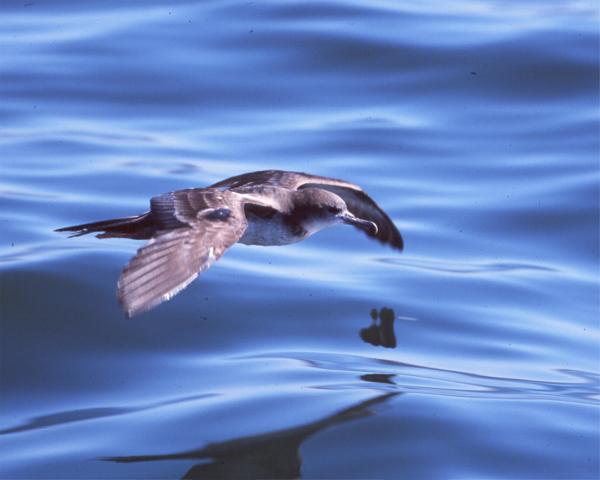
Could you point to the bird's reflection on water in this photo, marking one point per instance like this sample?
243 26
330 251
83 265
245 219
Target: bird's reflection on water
381 331
270 455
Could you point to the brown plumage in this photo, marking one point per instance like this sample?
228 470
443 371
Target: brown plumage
188 230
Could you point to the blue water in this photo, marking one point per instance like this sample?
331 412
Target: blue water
473 123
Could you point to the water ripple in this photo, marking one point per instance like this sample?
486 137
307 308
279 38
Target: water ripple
467 268
411 378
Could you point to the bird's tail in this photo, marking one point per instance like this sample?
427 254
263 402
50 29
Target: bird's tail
137 227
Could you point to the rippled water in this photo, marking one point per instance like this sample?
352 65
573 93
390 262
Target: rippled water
473 123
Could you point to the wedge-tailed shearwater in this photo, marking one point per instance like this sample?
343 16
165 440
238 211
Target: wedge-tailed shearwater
188 230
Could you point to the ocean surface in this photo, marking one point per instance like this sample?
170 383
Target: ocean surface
472 354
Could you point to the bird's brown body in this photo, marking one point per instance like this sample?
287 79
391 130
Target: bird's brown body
188 230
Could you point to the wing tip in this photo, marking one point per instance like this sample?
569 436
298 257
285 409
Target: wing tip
130 309
398 242
134 304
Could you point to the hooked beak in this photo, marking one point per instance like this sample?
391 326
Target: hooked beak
350 219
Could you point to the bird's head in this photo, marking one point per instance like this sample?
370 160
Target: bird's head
317 209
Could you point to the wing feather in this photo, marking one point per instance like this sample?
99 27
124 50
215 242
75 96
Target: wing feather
280 178
174 258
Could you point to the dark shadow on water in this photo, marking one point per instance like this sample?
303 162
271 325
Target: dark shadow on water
379 378
70 416
381 331
270 455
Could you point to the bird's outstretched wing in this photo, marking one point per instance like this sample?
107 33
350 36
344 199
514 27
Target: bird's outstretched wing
357 201
202 224
280 178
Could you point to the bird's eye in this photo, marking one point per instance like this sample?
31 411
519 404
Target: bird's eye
333 210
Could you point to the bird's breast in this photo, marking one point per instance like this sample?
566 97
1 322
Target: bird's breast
276 230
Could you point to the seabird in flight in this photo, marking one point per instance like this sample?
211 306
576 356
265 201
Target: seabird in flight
188 230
